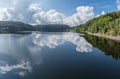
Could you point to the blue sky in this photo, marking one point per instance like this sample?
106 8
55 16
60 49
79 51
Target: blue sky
68 6
71 12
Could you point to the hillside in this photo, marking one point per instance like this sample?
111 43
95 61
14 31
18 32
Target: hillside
16 27
108 24
52 28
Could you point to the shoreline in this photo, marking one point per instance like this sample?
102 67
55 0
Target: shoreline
114 38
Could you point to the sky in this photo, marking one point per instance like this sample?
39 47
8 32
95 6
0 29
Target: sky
70 12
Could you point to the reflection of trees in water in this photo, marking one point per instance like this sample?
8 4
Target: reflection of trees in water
109 47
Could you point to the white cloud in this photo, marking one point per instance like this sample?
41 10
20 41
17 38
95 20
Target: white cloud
35 7
31 12
4 15
103 13
84 13
118 4
20 11
2 10
52 16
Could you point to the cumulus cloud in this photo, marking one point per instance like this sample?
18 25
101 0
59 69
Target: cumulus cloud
84 13
20 11
31 12
45 17
102 13
52 16
4 15
118 4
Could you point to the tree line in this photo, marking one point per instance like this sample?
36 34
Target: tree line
108 24
15 26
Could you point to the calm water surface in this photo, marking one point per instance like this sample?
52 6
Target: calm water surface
58 56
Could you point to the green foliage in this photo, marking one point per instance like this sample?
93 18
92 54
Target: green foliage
108 24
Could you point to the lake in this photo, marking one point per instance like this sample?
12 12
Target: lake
64 55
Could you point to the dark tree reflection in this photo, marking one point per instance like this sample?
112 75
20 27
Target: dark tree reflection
109 47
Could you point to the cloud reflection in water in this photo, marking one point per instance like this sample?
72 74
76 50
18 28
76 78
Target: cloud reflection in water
26 49
53 40
21 67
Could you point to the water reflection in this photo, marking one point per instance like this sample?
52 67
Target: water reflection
53 40
22 68
109 47
20 53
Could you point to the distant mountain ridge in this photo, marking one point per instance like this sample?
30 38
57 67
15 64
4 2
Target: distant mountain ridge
52 27
15 26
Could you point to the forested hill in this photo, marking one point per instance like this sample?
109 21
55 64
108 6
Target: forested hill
108 24
52 27
15 27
